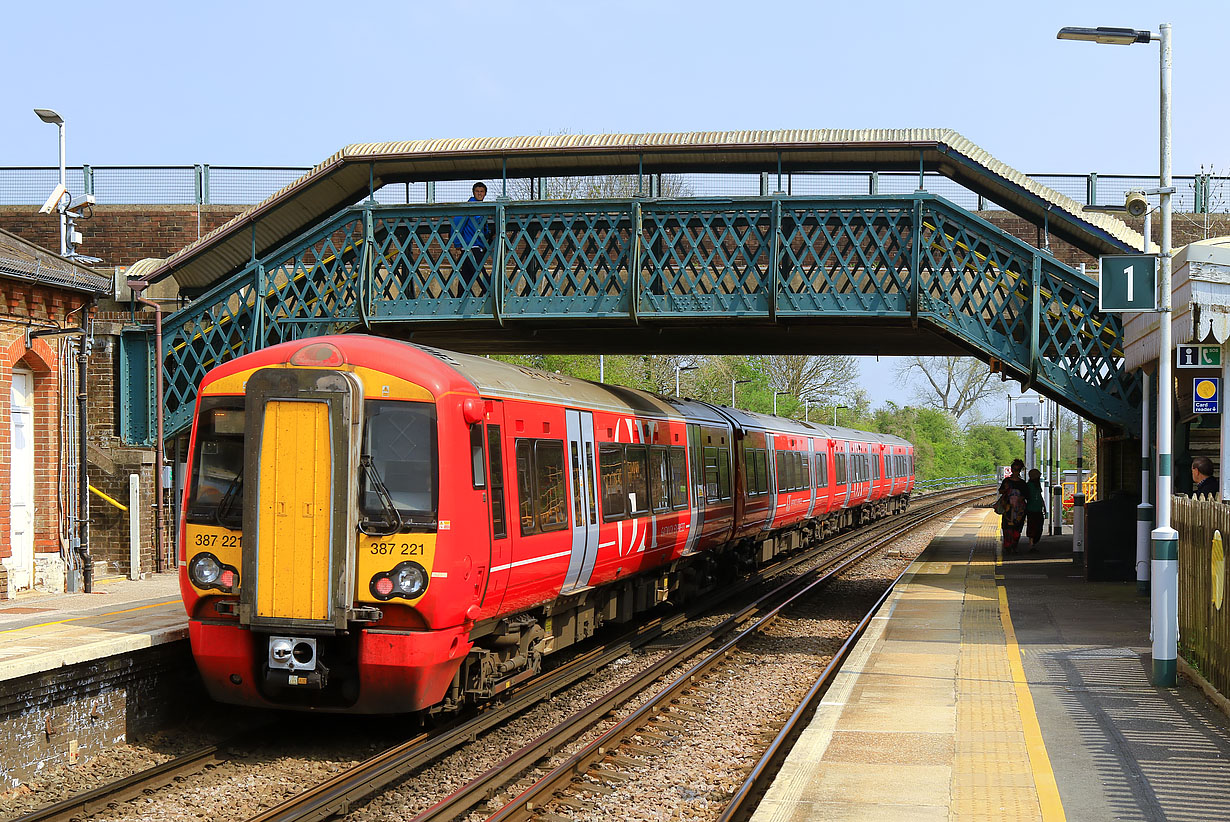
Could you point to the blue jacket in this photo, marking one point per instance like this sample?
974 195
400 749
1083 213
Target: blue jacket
470 232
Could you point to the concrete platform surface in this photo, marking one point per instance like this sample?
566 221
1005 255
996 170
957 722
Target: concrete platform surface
43 632
1005 690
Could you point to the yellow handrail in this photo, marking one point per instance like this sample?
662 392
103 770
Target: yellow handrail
108 499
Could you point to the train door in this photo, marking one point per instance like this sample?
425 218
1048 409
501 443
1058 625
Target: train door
812 490
497 506
697 494
851 472
584 499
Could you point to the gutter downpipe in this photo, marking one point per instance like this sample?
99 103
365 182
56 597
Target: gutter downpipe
83 479
159 455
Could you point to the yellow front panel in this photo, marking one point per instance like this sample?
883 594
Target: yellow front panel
223 543
293 565
378 554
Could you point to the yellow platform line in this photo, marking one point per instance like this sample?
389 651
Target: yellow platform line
1039 762
90 616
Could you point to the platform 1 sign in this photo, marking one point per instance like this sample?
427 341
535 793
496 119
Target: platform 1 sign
1128 283
1198 356
1206 395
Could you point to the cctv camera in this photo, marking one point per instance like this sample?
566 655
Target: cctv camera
81 201
54 199
1136 203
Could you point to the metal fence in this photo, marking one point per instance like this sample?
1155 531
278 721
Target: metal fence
1204 615
944 483
246 185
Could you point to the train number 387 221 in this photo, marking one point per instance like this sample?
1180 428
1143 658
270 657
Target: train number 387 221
401 549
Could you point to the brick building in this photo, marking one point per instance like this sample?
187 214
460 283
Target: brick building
43 297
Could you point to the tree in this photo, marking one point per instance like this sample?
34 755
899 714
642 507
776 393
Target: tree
804 376
952 384
597 187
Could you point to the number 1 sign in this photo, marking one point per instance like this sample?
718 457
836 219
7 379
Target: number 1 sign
1128 283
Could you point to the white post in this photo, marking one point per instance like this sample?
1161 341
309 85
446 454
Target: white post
1165 570
1144 511
601 368
63 206
134 526
1057 476
1078 497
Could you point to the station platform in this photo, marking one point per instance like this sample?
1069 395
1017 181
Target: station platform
1005 689
45 632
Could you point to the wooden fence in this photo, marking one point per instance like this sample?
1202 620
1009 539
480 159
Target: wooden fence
1204 615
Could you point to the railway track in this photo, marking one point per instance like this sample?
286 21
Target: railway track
339 794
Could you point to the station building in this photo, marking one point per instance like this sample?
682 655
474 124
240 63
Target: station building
45 303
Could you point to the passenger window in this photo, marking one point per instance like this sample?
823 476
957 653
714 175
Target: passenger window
578 487
840 460
636 478
724 472
549 485
659 480
796 464
823 480
806 472
525 486
614 501
712 493
476 456
495 459
783 481
679 478
755 475
589 473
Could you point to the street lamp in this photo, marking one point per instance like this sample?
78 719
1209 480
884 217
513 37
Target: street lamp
733 383
1165 561
49 116
775 396
679 368
835 407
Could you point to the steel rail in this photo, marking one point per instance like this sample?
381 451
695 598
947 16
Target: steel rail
339 793
764 610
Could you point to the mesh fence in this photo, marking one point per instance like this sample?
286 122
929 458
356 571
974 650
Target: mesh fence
245 185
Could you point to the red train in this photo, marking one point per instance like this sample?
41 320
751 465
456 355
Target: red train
376 527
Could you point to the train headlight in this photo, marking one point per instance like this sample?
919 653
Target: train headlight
407 580
205 572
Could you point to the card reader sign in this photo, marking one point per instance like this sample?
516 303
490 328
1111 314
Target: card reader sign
1206 395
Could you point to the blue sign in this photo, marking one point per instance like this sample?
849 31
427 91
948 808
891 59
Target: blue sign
1206 395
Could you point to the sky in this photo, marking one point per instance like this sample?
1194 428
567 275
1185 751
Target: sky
263 83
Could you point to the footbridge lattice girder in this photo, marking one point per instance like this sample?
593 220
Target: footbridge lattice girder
764 263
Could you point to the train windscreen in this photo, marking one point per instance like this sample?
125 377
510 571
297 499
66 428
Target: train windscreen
400 439
216 493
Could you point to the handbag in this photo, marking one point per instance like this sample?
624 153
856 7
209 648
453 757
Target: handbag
1001 505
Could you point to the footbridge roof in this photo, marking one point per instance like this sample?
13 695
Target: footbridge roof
352 173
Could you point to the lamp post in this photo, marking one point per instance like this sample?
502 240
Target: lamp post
679 368
733 383
49 116
1165 561
777 394
835 407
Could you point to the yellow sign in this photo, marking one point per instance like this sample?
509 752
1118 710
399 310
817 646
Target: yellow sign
1206 389
1218 571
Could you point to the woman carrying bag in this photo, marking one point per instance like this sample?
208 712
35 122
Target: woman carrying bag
1013 497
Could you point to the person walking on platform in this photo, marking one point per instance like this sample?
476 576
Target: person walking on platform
1035 508
1202 478
1013 494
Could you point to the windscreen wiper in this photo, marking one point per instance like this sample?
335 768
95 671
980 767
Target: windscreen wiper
222 512
392 517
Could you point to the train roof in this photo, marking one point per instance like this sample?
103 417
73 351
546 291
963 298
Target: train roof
768 422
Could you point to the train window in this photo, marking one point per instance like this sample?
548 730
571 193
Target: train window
578 487
614 501
839 466
755 471
679 478
476 456
783 479
797 466
636 478
589 472
724 472
400 439
216 495
875 466
762 458
549 471
495 460
525 486
659 480
806 472
822 471
712 493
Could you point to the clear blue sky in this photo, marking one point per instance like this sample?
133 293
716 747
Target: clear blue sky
260 83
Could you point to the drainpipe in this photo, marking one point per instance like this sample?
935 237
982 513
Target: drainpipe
159 456
83 479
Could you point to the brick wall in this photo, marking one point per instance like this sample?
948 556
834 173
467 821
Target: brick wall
23 306
121 235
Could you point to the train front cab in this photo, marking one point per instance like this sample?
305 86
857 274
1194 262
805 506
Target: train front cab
296 596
